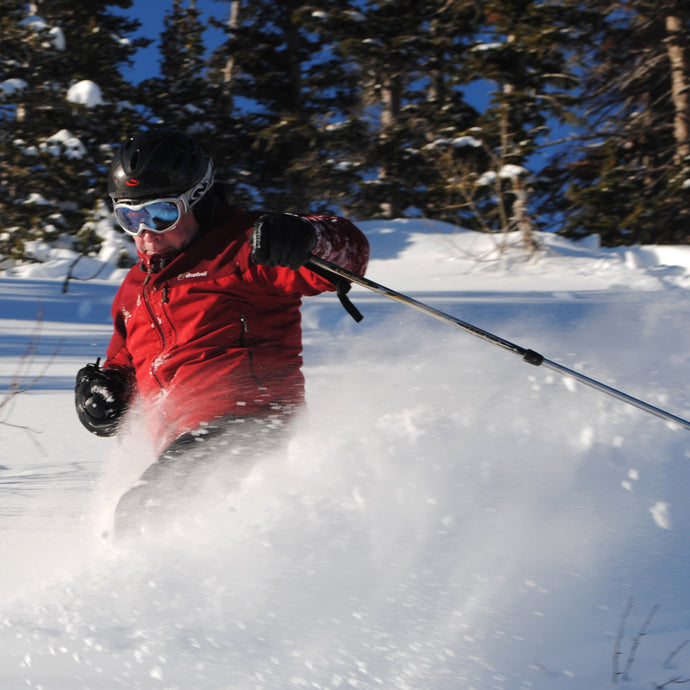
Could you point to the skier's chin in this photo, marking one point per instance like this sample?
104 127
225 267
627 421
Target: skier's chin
155 248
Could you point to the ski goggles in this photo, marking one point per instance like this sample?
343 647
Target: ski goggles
160 215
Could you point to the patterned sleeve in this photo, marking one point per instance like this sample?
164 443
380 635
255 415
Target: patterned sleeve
341 242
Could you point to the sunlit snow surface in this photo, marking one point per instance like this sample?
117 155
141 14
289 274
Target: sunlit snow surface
445 517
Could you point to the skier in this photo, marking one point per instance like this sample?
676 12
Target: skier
207 335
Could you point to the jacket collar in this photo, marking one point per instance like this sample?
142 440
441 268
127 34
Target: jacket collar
157 262
223 212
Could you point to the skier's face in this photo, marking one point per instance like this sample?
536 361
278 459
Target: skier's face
174 240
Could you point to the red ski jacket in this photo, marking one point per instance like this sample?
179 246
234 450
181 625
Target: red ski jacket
210 334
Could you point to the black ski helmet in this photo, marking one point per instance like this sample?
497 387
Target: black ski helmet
156 163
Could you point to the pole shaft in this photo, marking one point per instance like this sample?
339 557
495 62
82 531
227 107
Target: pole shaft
527 355
410 302
615 393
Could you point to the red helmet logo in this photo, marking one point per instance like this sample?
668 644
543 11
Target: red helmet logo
132 182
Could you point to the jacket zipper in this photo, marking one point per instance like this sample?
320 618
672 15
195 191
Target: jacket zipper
155 323
244 331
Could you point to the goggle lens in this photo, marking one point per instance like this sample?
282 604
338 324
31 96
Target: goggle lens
157 216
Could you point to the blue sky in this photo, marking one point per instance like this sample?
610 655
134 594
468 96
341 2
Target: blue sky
150 13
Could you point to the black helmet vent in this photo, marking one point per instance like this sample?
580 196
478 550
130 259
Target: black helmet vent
134 160
180 159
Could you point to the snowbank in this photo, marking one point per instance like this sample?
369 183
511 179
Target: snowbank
445 517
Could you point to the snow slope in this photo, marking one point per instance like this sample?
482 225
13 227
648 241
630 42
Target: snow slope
446 516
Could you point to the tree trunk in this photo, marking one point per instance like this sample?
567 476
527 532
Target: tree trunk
233 23
679 87
390 112
390 99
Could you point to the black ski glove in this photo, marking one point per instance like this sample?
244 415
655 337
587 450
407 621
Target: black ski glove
100 396
282 239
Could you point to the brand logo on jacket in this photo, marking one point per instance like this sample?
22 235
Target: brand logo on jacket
186 276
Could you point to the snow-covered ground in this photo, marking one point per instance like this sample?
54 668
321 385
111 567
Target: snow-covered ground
447 517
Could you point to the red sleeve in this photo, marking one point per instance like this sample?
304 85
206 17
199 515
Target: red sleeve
117 355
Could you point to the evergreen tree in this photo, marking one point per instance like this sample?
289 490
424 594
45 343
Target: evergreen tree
190 94
436 116
359 107
400 57
285 90
629 180
523 55
60 122
385 52
180 97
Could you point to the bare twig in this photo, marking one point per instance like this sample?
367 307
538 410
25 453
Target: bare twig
31 433
672 681
672 655
617 675
619 641
17 382
636 642
22 380
71 276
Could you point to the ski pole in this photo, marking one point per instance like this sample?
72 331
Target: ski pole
529 356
